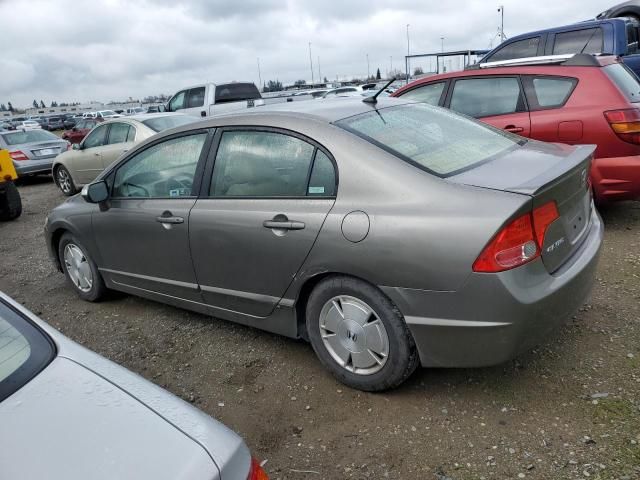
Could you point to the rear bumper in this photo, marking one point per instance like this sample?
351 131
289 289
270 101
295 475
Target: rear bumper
494 317
616 178
28 167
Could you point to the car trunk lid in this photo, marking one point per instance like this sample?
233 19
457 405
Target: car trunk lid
546 173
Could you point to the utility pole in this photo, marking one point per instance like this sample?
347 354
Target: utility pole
311 64
319 72
442 44
390 65
368 70
502 35
408 62
259 74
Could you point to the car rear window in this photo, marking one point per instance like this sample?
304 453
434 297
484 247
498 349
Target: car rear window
433 139
158 124
29 136
625 80
24 351
234 92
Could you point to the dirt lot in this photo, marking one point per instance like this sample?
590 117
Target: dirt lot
569 409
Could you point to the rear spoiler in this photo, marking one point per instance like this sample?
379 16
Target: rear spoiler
569 60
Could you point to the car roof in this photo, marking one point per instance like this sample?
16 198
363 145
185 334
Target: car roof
146 116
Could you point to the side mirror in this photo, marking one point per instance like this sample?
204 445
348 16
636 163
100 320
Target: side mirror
74 129
96 192
164 108
76 146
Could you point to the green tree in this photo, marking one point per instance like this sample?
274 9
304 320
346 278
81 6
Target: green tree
418 71
35 103
325 80
378 76
10 106
273 86
3 107
299 83
42 105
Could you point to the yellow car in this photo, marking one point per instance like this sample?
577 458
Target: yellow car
10 202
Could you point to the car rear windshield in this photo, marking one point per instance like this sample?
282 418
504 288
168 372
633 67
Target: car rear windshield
437 140
159 124
235 92
29 136
625 80
24 351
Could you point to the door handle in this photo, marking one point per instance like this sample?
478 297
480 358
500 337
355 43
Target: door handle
283 225
514 129
97 154
169 219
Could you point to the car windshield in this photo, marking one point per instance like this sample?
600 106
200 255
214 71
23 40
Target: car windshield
24 351
625 80
30 136
432 138
159 124
107 112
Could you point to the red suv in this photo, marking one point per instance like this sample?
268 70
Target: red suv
80 130
585 99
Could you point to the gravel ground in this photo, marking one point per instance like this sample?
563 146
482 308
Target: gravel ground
569 409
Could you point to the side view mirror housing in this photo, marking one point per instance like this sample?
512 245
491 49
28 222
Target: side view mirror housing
96 192
76 146
164 108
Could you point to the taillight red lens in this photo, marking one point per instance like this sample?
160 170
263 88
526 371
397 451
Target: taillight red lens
257 472
519 242
625 124
543 217
18 155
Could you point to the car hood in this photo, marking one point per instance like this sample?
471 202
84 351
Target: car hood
68 422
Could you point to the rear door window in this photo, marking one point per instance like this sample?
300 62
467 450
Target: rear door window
519 49
431 93
195 98
588 40
234 92
625 80
632 38
488 96
550 92
119 133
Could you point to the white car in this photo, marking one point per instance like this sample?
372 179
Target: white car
28 125
344 92
107 114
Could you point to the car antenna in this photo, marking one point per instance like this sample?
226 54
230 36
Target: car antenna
374 98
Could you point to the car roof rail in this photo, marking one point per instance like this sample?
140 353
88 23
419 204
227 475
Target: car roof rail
571 59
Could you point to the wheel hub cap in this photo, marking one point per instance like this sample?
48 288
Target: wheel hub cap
354 335
78 267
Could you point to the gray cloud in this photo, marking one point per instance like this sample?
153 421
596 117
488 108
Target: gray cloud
113 49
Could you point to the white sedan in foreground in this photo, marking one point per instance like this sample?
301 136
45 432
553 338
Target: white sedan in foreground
68 413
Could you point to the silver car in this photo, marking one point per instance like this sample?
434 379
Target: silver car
68 413
32 151
387 233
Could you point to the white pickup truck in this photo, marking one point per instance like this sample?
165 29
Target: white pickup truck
212 99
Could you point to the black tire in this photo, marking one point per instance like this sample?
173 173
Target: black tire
10 201
98 290
402 358
66 187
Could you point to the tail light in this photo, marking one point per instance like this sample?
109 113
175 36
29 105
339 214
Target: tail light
18 155
519 242
625 123
257 472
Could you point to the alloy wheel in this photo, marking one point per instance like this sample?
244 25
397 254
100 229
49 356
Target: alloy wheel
354 335
64 180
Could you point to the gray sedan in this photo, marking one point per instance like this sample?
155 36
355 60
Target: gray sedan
67 413
388 234
32 151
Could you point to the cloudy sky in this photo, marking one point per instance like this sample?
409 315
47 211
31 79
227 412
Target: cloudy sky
112 49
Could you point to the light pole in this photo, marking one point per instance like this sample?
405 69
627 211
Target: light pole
501 10
319 72
407 63
368 70
390 65
259 74
442 44
311 64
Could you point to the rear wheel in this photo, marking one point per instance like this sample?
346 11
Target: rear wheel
80 270
10 202
64 181
359 335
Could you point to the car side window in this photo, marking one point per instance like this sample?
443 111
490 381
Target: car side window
485 97
196 98
322 182
81 125
178 101
119 133
519 49
588 40
97 137
552 92
430 93
261 164
165 170
632 38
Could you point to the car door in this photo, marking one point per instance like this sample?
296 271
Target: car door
258 217
121 138
552 119
87 161
143 236
178 101
195 102
496 100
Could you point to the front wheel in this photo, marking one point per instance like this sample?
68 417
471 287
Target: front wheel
359 335
80 270
10 201
64 181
